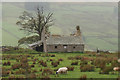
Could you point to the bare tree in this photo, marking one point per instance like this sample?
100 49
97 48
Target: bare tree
38 23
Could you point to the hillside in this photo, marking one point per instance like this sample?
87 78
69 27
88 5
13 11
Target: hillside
98 22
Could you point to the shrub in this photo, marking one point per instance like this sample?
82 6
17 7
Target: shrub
100 63
115 63
84 63
51 60
32 75
71 58
41 61
106 70
47 71
60 59
74 63
55 64
34 71
53 55
25 65
24 60
5 73
20 77
45 55
17 60
21 71
44 64
12 77
83 77
45 78
35 59
85 68
70 68
29 70
16 66
41 69
32 65
6 63
78 57
34 62
55 69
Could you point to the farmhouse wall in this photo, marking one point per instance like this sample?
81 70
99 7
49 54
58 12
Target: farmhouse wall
65 48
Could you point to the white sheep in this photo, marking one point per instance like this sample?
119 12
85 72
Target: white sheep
116 68
119 60
62 70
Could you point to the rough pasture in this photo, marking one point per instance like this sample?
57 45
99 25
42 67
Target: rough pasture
41 65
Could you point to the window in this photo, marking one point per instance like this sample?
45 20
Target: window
74 47
55 47
65 46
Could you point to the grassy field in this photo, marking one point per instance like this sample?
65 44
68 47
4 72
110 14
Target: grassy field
39 65
94 20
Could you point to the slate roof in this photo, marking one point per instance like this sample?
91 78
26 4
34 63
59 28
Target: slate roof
64 40
60 40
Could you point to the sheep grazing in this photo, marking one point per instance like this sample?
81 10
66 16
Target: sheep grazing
62 70
119 60
116 69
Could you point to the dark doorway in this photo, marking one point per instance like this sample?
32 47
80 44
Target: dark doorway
39 48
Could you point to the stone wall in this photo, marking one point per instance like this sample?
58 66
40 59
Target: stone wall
65 48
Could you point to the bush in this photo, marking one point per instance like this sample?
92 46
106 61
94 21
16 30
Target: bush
47 71
74 63
100 63
106 70
53 55
70 68
41 69
83 77
51 60
84 63
85 68
43 63
71 58
32 75
34 62
21 71
25 65
55 69
5 73
45 55
78 57
45 78
24 60
16 66
60 59
32 65
12 77
6 63
34 71
55 64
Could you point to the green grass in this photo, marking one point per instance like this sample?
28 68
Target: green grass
96 43
71 74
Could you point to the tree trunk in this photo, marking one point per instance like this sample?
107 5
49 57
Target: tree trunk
40 37
44 41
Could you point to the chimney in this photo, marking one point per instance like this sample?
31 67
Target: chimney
78 32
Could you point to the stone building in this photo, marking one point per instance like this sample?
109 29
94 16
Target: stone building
58 43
